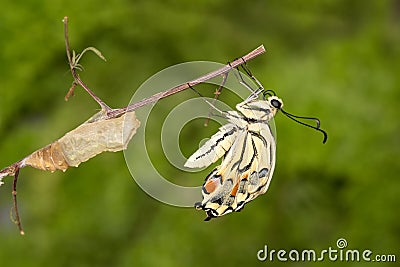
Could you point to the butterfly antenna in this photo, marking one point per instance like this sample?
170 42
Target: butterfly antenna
295 118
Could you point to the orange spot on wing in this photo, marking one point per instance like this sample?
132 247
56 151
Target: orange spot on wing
235 189
210 186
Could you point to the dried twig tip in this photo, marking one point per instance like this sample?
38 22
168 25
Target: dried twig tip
70 91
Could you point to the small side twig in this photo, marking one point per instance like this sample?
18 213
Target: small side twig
70 91
73 65
17 219
216 95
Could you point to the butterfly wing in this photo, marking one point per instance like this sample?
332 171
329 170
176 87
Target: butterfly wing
219 184
216 147
264 162
244 174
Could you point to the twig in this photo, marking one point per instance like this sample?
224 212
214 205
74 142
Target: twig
217 93
70 91
17 219
222 71
112 113
73 64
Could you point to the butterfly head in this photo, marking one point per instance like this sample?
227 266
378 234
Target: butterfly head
275 103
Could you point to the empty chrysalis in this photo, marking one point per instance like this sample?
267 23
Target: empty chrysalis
91 138
83 143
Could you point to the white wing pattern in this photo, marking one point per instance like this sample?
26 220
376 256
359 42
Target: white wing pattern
247 147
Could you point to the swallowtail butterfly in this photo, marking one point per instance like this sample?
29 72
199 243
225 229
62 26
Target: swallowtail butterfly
247 148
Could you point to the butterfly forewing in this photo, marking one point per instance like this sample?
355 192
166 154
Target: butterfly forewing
214 148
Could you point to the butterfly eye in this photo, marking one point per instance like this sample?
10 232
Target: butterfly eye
276 103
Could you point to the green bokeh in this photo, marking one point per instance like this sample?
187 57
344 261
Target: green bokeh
338 60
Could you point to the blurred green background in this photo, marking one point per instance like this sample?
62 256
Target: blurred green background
338 60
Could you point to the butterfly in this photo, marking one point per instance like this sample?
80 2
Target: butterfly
247 147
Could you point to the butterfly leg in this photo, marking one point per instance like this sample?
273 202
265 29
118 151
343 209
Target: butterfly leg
208 102
242 81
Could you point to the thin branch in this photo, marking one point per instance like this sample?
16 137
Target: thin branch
17 219
217 93
70 91
112 113
222 71
73 64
